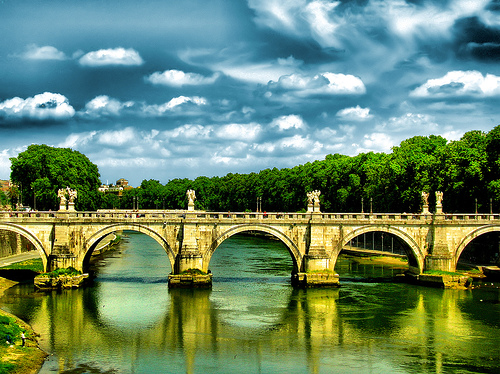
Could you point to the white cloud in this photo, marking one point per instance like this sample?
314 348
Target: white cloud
189 133
238 62
354 114
320 84
47 52
460 83
159 110
247 132
105 106
116 56
177 78
376 142
292 121
409 123
41 107
118 138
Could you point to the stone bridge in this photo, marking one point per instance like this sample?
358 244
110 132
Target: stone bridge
190 238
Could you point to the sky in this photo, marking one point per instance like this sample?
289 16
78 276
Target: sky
161 89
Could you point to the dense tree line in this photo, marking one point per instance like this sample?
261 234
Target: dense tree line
465 170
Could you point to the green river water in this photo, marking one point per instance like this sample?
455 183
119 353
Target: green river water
254 321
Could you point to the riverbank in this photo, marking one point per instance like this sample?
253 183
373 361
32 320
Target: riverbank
16 359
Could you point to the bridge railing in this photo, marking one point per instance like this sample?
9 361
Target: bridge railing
203 215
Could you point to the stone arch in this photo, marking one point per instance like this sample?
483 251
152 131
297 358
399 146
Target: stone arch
97 236
31 237
407 239
470 237
289 244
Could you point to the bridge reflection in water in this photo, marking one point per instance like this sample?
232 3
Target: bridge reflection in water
132 322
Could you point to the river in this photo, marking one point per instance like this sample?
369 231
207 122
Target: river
254 321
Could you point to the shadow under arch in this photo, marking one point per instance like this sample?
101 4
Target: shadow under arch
470 237
289 244
31 237
418 256
99 235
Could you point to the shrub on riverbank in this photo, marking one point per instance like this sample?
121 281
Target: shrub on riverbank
66 272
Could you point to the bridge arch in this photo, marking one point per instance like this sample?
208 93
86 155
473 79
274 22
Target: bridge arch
470 237
96 237
31 237
407 239
289 244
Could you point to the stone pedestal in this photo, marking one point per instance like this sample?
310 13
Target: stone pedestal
71 207
425 209
190 280
310 208
191 206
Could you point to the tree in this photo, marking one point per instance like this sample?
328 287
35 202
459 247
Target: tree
41 171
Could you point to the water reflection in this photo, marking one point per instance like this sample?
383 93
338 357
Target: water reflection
255 322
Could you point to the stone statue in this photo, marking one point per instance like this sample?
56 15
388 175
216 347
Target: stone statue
316 197
72 195
61 194
310 198
313 200
425 198
439 198
191 196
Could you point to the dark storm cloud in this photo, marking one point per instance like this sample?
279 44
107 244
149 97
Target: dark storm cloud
474 39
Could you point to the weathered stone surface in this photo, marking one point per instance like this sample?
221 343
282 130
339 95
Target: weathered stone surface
310 280
189 281
45 283
444 281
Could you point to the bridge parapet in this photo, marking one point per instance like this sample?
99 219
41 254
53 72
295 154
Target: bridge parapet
203 215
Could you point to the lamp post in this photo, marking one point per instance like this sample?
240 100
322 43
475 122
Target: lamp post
362 209
371 205
476 205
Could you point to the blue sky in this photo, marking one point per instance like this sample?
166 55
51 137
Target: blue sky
171 89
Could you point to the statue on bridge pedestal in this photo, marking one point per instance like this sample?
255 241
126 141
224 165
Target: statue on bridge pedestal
61 194
425 201
72 194
313 201
191 197
439 202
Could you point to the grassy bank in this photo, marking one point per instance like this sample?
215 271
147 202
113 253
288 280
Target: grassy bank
14 358
35 265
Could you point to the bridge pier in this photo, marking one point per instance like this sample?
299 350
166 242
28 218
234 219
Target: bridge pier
318 266
188 270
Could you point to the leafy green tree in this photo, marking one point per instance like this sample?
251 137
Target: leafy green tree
463 171
42 170
493 160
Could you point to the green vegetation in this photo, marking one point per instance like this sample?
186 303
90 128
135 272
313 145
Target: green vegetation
66 272
35 265
323 271
465 170
193 272
440 272
41 171
13 357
